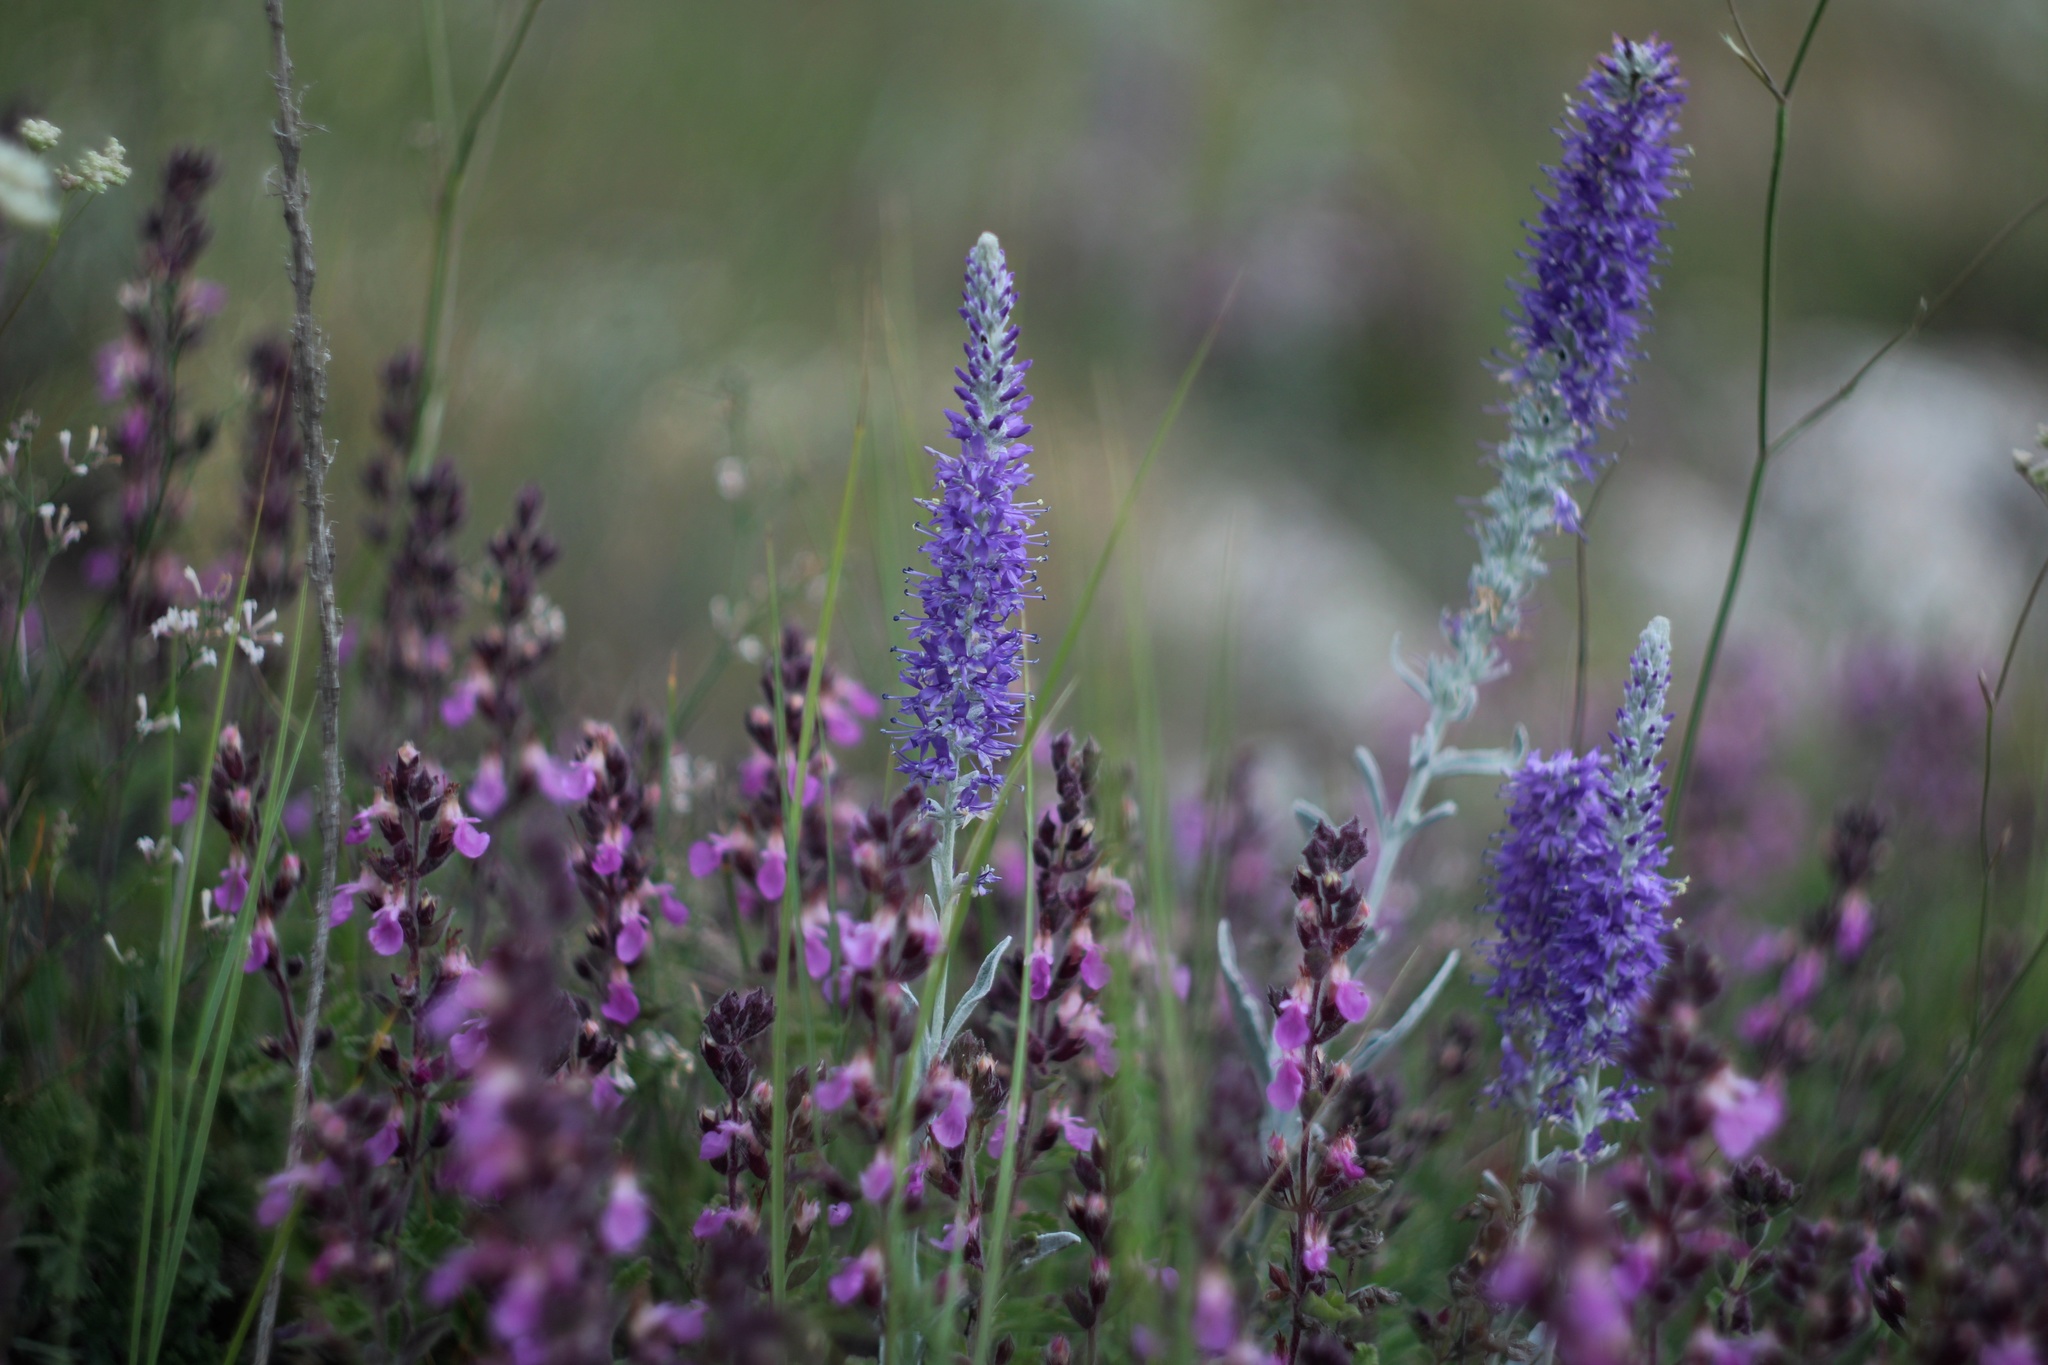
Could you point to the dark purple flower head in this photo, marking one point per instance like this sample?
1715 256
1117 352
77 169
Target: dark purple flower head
1594 248
1573 954
960 713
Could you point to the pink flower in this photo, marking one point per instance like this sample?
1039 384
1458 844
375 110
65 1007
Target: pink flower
858 1277
837 1214
1290 1029
470 841
610 854
1342 1154
707 856
625 1216
2014 1348
1352 1001
682 1325
672 908
459 706
1595 1327
878 1179
774 873
1852 930
487 793
187 801
956 1106
359 827
719 1140
1094 968
562 783
383 1144
710 1221
1041 972
632 940
1802 978
387 934
1075 1129
1215 1324
1745 1112
343 906
621 1006
817 951
467 1043
1315 1247
234 887
262 943
1284 1091
835 1090
861 942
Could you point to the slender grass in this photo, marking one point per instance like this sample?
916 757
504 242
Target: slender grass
441 275
1767 297
995 1233
792 891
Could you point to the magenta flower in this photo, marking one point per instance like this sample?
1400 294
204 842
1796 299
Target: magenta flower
632 940
1215 1323
1352 1001
956 1106
234 887
836 1215
470 841
708 855
625 1216
1283 1092
710 1222
1745 1112
672 908
187 801
487 794
387 934
774 873
719 1140
1094 967
858 1278
878 1179
1290 1027
621 1005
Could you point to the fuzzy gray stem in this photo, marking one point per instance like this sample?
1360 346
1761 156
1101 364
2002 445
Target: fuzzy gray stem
309 384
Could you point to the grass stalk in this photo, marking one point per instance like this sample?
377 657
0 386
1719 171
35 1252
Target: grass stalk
792 891
441 274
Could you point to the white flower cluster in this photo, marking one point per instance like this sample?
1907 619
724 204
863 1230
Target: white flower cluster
147 724
97 172
59 527
211 618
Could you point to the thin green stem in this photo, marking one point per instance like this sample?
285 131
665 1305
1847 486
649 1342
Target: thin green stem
995 1241
1992 697
792 892
440 278
1750 501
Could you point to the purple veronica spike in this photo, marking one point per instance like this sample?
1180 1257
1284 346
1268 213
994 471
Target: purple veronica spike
959 716
1594 248
1579 904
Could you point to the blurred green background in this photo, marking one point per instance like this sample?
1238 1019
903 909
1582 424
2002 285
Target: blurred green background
684 204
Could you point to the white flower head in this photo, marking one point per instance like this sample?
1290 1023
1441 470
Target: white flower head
27 189
38 135
97 172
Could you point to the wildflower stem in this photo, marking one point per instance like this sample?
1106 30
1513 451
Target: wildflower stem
792 891
441 277
1696 714
993 1243
309 390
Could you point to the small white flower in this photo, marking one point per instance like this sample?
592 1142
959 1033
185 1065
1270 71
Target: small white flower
97 172
732 479
749 647
208 658
61 531
27 196
146 724
38 135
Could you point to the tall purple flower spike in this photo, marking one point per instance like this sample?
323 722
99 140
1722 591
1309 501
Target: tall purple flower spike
959 715
1579 907
1594 248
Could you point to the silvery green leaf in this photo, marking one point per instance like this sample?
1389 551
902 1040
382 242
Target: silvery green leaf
1245 1007
1375 784
976 992
1442 810
1308 815
1406 671
1376 1045
1045 1244
1482 762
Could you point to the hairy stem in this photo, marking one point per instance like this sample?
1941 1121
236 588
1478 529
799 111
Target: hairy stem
309 392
